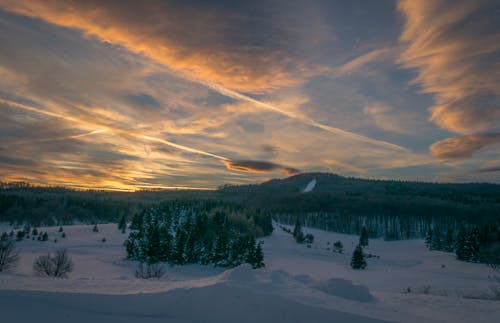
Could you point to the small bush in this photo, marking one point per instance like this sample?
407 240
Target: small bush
20 235
9 256
149 271
58 265
338 246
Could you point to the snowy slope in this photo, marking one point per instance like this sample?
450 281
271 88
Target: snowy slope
299 284
310 186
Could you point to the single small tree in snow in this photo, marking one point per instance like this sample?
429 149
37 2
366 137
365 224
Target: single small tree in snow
358 258
9 256
95 228
363 238
61 229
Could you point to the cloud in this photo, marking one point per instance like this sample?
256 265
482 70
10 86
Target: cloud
209 51
258 166
464 146
358 62
389 119
454 48
269 148
489 169
222 44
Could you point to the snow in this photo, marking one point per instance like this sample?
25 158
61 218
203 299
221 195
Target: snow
298 284
310 186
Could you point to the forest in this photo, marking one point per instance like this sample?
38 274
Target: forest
198 232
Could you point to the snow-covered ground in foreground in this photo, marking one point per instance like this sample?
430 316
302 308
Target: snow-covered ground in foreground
298 284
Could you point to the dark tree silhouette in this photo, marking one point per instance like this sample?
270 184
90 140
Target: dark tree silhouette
9 256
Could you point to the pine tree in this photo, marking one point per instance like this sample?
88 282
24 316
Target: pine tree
122 225
363 238
179 256
61 229
257 257
297 232
428 239
462 247
437 240
358 258
449 241
95 228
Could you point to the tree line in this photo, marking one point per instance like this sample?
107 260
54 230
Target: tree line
475 244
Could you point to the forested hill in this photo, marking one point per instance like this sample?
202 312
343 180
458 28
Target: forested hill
332 195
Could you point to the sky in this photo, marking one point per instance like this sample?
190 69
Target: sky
130 95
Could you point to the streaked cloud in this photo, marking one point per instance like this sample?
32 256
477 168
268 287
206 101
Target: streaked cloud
194 94
259 166
463 146
388 118
196 40
454 47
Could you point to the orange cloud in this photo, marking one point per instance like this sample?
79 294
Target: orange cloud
454 47
258 166
196 42
464 146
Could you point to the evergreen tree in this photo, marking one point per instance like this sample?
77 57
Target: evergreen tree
428 239
45 236
363 238
122 225
61 229
95 228
297 232
437 240
463 248
179 256
449 241
358 258
257 257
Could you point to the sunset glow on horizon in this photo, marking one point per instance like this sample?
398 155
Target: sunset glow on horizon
129 95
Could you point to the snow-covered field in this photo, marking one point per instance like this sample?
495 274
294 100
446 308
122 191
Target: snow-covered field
298 284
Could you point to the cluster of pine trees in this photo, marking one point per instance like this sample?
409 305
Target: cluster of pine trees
474 244
198 232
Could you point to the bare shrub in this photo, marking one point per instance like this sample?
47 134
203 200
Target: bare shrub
149 271
58 265
9 256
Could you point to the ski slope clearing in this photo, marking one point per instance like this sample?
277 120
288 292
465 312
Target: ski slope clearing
310 186
406 283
